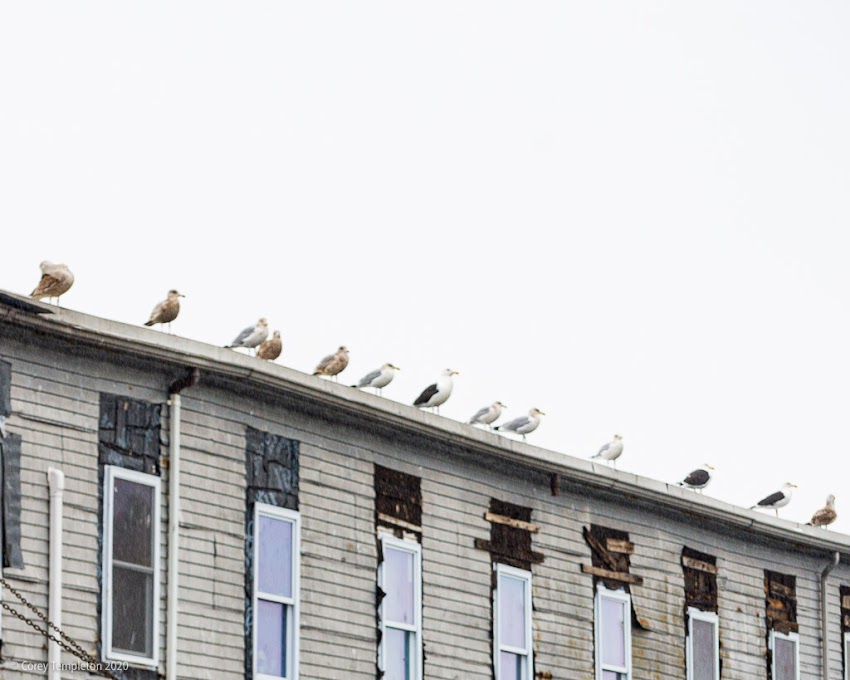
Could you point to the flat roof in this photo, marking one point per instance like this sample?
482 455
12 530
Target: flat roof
153 344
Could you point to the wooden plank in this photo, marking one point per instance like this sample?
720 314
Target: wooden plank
533 557
612 575
698 565
845 602
389 519
599 549
516 523
781 590
622 547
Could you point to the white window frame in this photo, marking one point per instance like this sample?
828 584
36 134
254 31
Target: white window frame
705 617
110 474
619 596
528 652
293 622
793 637
414 548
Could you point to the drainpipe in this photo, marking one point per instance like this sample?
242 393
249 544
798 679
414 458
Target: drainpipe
189 380
56 482
824 618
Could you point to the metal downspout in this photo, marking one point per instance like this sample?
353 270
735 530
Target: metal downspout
174 418
56 483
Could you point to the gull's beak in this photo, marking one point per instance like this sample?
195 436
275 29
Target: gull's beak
398 368
541 412
455 373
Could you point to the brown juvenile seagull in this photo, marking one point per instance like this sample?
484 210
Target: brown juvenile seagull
333 364
826 515
167 310
271 348
56 280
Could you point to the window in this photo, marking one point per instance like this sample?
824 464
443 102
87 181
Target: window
613 634
703 646
277 557
785 656
131 566
847 656
512 656
400 611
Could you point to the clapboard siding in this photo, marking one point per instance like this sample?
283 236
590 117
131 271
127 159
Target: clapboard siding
55 398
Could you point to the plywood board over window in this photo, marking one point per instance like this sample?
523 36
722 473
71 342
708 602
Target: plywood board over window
511 530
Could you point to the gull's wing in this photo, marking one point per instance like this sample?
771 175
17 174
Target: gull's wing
427 393
515 424
480 414
369 377
697 478
771 499
242 336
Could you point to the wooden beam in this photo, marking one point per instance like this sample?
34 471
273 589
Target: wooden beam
612 575
600 550
622 547
532 557
516 523
389 519
698 565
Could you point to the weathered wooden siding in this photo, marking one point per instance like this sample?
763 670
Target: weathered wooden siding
55 397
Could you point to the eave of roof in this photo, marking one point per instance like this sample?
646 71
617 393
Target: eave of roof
152 344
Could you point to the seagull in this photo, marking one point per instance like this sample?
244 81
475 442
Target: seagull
699 478
271 348
826 515
379 378
524 424
251 336
167 310
333 364
488 415
777 500
612 450
56 280
438 393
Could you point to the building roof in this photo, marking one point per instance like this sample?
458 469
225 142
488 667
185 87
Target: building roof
226 364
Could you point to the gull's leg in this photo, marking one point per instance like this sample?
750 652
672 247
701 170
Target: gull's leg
776 510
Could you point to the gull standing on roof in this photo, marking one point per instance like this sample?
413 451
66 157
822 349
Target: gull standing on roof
252 336
699 478
524 424
826 515
56 280
379 378
333 364
488 415
438 393
612 450
167 310
777 500
271 348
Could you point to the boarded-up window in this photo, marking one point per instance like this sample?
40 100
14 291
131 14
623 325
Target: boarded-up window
609 555
510 541
398 501
271 478
129 433
780 602
10 483
700 571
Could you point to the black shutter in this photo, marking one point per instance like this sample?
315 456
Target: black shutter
10 475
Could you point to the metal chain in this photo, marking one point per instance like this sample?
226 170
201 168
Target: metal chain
71 646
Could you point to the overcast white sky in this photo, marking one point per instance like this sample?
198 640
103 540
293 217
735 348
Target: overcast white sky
631 215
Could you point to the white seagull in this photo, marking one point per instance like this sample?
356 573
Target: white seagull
438 393
612 450
777 500
56 280
699 478
379 378
524 424
488 415
252 336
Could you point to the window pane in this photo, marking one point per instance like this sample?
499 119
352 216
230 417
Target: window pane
397 656
512 612
132 522
271 638
703 654
132 611
274 539
785 659
398 586
510 666
611 675
613 632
